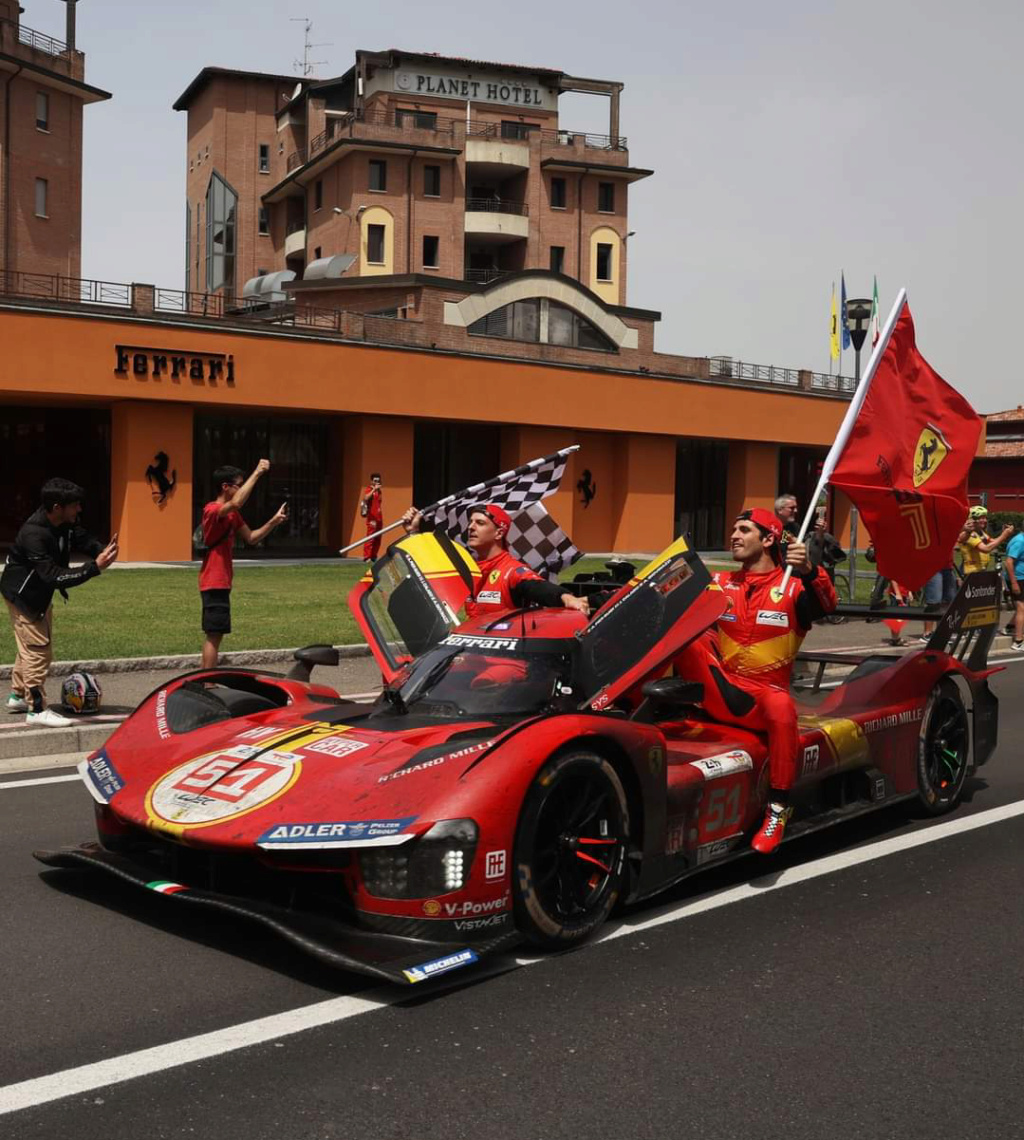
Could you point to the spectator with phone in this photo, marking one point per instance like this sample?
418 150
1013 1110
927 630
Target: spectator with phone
222 521
38 566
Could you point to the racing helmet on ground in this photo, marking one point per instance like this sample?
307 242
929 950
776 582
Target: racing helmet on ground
81 693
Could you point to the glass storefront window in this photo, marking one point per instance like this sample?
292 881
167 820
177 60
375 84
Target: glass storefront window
297 450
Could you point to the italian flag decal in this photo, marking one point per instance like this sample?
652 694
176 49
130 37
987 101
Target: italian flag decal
162 887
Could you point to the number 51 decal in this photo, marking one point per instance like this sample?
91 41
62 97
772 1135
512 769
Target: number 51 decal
722 810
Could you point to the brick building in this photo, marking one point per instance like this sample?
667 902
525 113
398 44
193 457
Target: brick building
407 163
413 269
42 96
997 475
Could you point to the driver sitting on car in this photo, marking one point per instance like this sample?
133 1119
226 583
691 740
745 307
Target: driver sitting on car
746 660
503 583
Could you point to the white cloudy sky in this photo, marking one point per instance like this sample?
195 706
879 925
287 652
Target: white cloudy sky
790 140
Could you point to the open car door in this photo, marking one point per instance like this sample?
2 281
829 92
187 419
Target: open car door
408 600
644 625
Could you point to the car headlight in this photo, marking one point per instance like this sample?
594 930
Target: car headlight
436 863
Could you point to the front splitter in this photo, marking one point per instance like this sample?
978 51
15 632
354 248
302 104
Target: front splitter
406 961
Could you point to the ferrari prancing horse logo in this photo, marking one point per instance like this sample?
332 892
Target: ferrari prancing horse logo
931 449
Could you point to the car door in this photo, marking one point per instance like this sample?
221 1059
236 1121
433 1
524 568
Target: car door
408 601
644 625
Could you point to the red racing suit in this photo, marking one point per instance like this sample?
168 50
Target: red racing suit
499 579
373 500
746 660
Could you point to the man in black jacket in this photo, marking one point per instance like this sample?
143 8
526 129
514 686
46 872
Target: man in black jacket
38 566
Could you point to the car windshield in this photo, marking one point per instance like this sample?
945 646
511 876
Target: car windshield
461 680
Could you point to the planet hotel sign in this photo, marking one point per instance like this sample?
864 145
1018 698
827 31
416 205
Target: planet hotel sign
513 90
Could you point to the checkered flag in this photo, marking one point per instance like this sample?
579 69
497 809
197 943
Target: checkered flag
514 491
537 540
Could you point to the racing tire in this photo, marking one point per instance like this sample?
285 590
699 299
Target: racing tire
943 749
569 860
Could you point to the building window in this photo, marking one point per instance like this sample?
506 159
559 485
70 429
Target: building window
606 197
375 244
432 181
425 120
521 320
431 251
318 193
604 262
42 191
521 131
318 253
558 193
378 174
42 111
557 258
264 221
264 158
280 146
221 212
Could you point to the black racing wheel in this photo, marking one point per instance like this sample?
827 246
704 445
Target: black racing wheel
570 850
943 749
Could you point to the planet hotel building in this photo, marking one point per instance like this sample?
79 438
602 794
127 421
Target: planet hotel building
415 268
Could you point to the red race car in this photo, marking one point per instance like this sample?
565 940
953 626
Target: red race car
519 776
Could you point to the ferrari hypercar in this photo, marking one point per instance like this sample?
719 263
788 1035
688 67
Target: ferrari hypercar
520 775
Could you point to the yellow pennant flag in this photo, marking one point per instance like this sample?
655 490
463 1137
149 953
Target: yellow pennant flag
834 327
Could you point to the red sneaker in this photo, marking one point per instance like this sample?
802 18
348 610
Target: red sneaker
767 840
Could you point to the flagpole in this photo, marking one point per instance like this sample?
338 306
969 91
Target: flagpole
846 427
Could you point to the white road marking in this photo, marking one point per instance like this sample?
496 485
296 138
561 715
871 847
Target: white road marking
159 1058
40 780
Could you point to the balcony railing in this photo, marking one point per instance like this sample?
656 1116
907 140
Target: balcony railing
484 276
39 42
497 206
389 124
577 138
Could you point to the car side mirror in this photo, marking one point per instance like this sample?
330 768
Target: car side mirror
307 658
667 697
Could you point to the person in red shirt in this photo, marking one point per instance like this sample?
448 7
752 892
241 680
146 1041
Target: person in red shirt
371 507
222 520
745 662
503 582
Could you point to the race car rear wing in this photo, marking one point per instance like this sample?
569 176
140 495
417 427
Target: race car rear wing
966 630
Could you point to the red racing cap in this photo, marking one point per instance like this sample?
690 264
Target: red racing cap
768 522
498 515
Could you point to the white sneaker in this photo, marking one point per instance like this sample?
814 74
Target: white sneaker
1017 647
48 719
16 704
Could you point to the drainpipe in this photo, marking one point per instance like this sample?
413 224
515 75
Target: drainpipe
7 165
579 224
408 215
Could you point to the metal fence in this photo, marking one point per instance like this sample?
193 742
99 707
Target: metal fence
591 142
497 206
47 44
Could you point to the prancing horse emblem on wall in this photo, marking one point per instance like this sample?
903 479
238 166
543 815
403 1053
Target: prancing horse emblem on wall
160 487
586 487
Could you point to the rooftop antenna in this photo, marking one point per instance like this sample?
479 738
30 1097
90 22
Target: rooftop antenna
306 65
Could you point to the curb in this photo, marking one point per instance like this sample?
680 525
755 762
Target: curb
182 662
50 741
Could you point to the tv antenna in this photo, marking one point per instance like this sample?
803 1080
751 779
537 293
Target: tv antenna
306 65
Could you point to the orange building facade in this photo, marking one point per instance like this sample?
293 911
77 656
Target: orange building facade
140 405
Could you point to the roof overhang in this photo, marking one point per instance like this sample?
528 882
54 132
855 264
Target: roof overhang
300 177
84 91
605 169
208 73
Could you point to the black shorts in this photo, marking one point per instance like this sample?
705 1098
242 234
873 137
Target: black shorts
216 611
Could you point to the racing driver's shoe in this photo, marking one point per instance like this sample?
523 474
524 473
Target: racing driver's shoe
769 837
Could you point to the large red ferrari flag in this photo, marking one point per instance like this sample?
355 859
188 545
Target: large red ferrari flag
906 460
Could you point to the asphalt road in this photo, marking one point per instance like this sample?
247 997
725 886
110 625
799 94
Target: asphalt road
881 998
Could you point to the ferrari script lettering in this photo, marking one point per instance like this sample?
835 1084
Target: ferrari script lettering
481 642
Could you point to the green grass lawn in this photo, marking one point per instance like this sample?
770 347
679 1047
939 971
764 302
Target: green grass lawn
143 613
